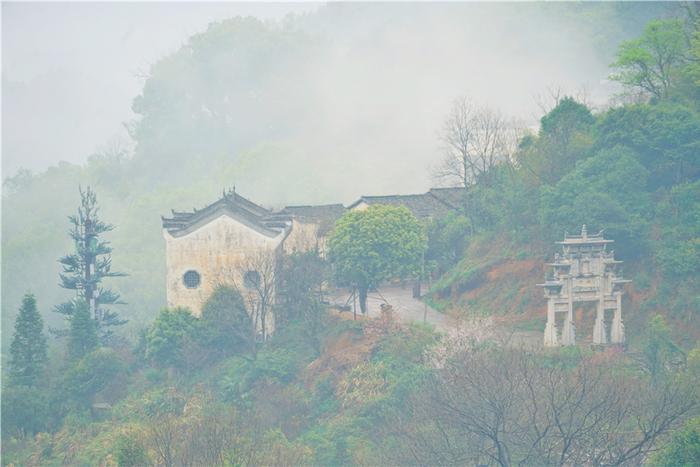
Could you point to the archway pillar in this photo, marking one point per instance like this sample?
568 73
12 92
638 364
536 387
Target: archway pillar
599 334
551 339
568 334
617 332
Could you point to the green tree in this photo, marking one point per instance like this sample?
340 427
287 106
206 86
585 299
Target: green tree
28 356
378 243
130 451
194 100
84 270
226 326
659 351
650 64
564 138
82 334
694 65
167 339
25 411
91 374
447 240
606 191
301 277
684 448
664 136
679 252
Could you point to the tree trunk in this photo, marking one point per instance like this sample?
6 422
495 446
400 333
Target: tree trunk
416 289
363 299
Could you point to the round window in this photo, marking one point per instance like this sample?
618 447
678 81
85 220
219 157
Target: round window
191 279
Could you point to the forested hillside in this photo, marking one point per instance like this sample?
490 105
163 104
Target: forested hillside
631 170
325 389
270 108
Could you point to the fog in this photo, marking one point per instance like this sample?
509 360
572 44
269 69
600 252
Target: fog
325 105
373 97
146 320
71 70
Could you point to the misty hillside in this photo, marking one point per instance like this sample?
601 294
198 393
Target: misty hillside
541 307
318 108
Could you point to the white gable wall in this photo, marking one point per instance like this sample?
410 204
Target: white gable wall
217 251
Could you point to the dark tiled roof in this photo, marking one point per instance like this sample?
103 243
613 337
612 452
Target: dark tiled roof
422 206
435 203
453 197
253 215
325 215
316 213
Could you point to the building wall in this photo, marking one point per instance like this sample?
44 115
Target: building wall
304 237
217 251
360 206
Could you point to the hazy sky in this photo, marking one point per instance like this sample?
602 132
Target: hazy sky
70 71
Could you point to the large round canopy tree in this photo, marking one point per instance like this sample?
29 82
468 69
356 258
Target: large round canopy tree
376 244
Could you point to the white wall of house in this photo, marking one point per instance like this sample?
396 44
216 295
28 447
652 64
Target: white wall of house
216 251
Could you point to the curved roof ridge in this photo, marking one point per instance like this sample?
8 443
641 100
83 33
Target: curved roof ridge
241 208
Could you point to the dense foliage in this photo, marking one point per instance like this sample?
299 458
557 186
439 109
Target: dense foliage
631 170
28 355
82 334
376 244
225 323
651 62
167 338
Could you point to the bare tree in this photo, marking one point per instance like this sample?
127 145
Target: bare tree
258 288
474 141
508 406
254 278
163 433
200 432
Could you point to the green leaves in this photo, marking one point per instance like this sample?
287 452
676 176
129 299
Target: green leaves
225 325
82 335
606 191
165 340
28 356
92 373
666 137
683 450
651 63
84 270
679 253
376 244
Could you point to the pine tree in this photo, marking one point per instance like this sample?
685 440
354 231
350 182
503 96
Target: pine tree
82 335
84 270
28 349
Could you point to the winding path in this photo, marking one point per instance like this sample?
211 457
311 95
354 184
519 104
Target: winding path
407 308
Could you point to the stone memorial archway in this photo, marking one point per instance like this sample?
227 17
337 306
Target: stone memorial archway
584 271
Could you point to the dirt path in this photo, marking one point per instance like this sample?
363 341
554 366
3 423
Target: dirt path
407 308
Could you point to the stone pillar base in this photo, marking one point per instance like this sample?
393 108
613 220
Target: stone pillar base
550 335
599 336
568 335
617 333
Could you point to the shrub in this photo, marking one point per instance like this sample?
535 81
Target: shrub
226 326
92 374
25 411
684 448
129 450
167 338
